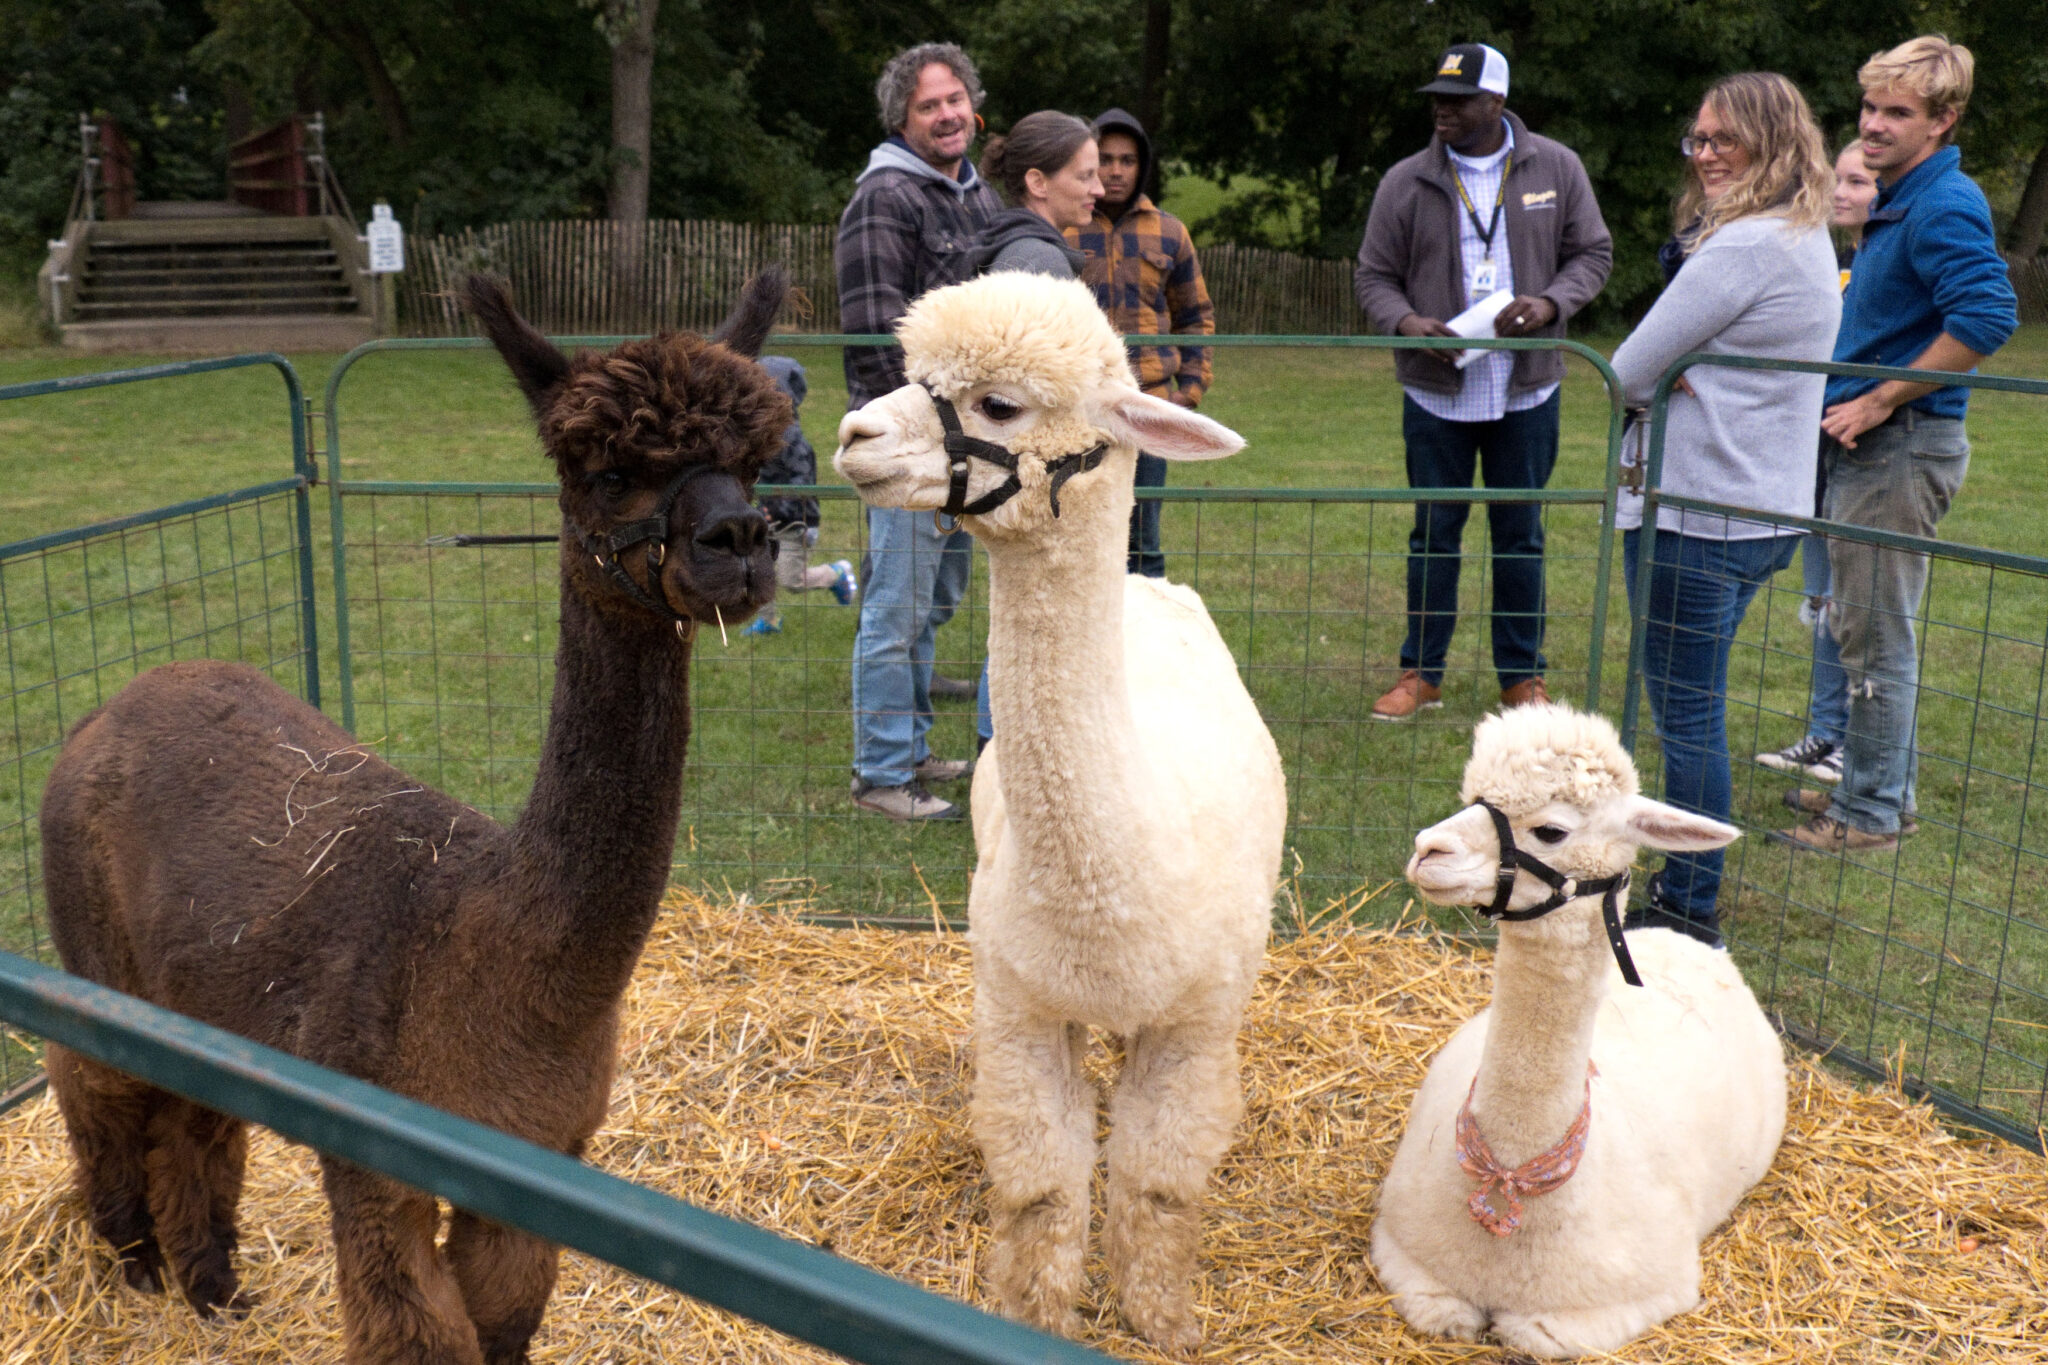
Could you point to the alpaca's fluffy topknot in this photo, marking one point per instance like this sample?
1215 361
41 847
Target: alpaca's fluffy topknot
1528 756
1043 336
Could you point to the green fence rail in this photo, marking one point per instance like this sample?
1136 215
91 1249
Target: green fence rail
1929 962
796 1289
83 610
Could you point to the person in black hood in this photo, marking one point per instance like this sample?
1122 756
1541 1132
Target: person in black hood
1046 169
1143 268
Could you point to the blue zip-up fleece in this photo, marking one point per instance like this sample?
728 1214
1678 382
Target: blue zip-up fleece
1928 264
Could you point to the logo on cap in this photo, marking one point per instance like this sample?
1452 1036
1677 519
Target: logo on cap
1454 65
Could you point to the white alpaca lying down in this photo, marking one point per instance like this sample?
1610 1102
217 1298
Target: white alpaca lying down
1681 1083
1128 817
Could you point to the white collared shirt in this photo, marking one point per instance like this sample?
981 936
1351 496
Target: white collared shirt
1484 397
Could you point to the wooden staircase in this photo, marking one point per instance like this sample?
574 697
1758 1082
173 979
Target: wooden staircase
223 281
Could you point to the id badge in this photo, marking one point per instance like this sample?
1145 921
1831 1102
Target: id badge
1484 279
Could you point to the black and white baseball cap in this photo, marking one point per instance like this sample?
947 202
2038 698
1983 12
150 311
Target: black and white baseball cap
1469 69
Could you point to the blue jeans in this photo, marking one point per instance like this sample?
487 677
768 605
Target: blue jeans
1827 706
1144 557
916 576
1699 590
1901 476
1518 451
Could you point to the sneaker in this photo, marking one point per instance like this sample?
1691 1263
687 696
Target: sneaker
1825 834
1527 692
907 802
1807 801
1406 697
1817 758
954 688
936 769
762 625
844 585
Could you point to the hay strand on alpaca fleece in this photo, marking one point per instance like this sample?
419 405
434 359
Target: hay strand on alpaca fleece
813 1080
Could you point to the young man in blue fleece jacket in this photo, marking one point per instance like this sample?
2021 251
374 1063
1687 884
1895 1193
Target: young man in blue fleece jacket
1931 292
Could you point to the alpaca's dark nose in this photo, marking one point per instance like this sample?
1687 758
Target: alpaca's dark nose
739 533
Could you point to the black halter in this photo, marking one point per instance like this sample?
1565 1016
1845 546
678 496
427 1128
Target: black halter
606 548
960 447
1563 889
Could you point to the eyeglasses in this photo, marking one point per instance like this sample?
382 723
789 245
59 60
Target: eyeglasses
1721 144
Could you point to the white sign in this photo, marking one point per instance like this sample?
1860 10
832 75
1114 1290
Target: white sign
387 242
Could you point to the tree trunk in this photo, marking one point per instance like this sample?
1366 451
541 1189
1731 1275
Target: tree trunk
1152 83
2031 222
631 30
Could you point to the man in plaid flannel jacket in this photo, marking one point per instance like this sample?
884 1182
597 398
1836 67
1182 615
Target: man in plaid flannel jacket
1142 264
916 212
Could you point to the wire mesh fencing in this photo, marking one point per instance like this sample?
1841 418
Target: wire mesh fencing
1922 957
83 611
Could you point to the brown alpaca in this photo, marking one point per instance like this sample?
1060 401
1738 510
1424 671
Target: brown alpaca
215 845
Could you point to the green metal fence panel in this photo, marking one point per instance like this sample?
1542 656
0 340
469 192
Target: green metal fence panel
445 613
84 610
797 1289
1928 963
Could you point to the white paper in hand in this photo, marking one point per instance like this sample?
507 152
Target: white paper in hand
1477 321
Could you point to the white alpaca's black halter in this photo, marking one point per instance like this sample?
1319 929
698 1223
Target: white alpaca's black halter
1563 890
960 448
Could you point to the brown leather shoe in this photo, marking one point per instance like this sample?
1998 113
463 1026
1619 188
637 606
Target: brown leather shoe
1825 834
1527 692
1807 801
1406 697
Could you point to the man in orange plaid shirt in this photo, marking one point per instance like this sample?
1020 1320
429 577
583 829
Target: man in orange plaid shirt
1142 265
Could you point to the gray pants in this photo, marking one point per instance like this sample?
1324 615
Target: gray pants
1901 477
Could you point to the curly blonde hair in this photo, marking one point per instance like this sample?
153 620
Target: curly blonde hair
1790 172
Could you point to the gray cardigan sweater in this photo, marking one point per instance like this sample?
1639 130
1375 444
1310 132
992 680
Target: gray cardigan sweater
1747 437
1409 261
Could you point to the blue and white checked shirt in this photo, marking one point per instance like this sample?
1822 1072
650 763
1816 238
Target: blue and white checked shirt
1484 397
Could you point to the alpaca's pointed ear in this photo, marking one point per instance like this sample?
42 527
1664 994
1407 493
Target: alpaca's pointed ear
746 330
1656 825
537 364
1160 428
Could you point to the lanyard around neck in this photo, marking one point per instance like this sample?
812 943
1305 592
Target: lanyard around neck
1492 225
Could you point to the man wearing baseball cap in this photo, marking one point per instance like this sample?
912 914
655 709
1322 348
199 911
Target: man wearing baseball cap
1487 208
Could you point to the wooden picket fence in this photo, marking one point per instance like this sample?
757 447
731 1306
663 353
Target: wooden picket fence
600 277
586 278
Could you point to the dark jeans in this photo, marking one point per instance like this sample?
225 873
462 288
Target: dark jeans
1699 590
1144 550
1518 451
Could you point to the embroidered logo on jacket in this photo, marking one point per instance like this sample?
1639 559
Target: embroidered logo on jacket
1540 199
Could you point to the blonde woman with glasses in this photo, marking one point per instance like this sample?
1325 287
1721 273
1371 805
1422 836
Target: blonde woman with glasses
1758 279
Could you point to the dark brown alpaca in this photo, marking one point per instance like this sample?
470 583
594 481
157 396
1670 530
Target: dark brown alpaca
214 845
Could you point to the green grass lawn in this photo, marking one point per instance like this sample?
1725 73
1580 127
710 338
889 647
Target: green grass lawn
1942 949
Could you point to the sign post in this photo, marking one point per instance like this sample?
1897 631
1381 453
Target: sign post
387 258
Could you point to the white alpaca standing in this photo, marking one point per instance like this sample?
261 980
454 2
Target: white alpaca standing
1686 1099
1129 837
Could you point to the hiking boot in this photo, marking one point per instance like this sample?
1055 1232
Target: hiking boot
1825 834
1527 692
1817 758
907 802
1659 911
950 687
843 585
1406 697
936 769
1807 801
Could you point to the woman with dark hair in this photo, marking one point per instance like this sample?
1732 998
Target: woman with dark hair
1046 169
1757 278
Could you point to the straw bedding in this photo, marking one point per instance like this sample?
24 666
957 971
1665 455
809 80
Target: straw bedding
814 1080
